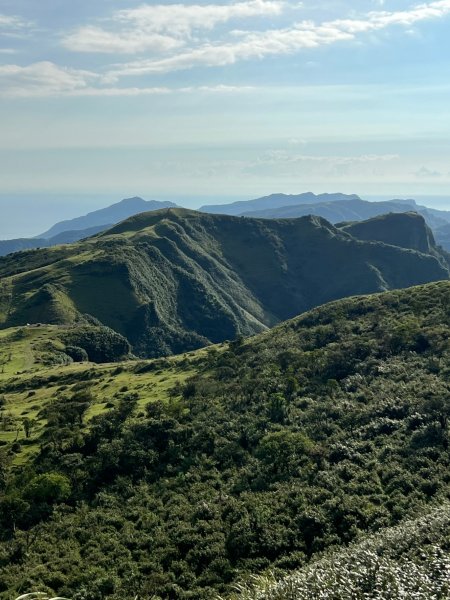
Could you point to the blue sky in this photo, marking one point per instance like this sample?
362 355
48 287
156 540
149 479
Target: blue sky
203 101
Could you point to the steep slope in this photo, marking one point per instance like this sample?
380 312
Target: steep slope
275 450
407 230
174 280
105 216
274 201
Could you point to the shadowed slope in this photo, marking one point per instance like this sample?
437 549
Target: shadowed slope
175 279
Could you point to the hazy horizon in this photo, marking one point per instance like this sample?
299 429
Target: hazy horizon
28 215
230 99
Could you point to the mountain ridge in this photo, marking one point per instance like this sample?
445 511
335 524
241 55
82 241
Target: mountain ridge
174 279
274 201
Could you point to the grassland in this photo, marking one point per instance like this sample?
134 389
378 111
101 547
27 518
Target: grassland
28 383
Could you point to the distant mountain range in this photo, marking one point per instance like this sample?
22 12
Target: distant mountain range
335 208
73 230
274 201
105 216
174 280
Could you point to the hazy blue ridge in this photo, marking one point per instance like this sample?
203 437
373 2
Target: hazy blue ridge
274 201
111 214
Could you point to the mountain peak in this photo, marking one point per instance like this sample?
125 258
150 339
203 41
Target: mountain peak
407 230
105 216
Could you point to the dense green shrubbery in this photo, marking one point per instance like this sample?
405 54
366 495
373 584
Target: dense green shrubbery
100 344
411 560
300 440
77 354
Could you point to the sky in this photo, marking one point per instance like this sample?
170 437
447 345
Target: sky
205 102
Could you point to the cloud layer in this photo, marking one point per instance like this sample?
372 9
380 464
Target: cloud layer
284 41
160 28
176 37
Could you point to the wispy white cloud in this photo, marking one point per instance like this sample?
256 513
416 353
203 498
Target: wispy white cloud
96 39
182 19
160 28
254 45
302 35
426 173
277 156
12 22
13 26
285 163
46 79
42 79
166 32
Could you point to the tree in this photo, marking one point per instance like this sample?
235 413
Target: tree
28 425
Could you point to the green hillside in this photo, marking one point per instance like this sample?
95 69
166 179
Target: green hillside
180 478
174 280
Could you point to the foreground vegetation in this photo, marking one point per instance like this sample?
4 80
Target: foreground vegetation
411 560
259 455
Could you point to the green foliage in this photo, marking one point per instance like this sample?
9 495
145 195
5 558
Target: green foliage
278 449
98 344
411 560
48 488
77 354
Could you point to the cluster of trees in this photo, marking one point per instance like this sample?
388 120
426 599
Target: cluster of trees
279 448
96 343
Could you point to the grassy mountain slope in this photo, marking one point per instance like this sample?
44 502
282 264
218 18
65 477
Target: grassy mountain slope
274 450
175 280
38 363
